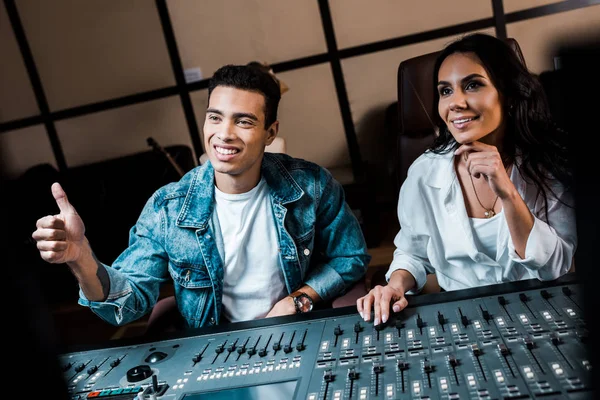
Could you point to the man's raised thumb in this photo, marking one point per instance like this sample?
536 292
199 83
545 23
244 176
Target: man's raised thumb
61 199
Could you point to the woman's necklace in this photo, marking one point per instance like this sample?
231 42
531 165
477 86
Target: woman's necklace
489 212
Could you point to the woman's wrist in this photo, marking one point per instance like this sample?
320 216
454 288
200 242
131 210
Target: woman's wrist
403 280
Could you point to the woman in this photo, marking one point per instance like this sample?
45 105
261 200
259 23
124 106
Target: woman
489 202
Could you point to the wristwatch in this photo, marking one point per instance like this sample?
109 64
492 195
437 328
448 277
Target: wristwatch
302 302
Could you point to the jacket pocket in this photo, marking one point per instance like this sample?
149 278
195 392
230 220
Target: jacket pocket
193 289
189 276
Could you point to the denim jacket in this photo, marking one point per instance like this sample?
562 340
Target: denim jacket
177 238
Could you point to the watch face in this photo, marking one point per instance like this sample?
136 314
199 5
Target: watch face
304 303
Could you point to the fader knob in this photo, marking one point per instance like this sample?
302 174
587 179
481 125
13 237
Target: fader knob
529 343
420 323
452 360
464 320
352 374
555 339
116 362
486 316
262 352
427 367
503 349
92 369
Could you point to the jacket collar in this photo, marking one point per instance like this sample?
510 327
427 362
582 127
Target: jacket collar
284 188
199 200
198 204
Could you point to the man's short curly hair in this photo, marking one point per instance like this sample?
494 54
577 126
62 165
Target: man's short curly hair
247 77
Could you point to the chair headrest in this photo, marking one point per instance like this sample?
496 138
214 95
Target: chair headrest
416 110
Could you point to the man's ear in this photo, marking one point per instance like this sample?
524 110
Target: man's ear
272 132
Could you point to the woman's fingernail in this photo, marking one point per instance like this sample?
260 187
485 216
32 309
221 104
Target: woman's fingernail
384 318
396 308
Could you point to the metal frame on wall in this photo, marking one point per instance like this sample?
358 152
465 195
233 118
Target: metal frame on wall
333 56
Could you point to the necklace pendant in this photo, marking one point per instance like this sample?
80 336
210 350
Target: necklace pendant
489 213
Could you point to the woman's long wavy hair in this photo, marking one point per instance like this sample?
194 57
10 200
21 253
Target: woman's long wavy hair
530 132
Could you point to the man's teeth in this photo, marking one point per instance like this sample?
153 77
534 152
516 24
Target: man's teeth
225 151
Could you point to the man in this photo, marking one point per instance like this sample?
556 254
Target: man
247 235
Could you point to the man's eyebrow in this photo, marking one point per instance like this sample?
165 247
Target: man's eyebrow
245 115
466 78
214 111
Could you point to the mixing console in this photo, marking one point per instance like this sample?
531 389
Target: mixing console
509 341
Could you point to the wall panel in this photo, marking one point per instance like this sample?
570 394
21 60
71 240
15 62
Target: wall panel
122 131
539 37
358 22
212 34
16 95
94 50
24 148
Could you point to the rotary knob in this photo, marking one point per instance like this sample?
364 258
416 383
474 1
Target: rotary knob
139 373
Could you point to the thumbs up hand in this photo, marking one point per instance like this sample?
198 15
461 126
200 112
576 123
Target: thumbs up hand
60 238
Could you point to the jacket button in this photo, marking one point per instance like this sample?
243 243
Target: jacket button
212 321
306 252
207 236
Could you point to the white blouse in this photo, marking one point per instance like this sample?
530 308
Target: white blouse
436 235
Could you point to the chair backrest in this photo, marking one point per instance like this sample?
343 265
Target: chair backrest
416 108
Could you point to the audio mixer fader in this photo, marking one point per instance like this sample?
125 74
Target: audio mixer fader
510 341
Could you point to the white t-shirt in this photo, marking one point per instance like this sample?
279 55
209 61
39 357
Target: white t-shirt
485 233
253 281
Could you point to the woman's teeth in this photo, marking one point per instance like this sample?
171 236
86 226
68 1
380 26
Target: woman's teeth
462 121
